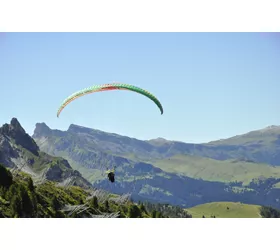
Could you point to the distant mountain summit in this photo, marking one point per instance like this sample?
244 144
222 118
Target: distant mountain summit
159 141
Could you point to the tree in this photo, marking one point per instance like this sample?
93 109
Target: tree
107 207
158 214
55 204
30 184
2 191
12 191
16 206
2 215
269 212
6 178
27 205
94 202
142 208
34 201
154 214
134 211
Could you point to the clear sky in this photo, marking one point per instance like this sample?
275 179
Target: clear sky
211 85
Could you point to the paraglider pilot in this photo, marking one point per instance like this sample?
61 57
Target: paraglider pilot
111 174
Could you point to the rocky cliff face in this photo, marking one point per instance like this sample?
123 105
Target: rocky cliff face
15 131
18 150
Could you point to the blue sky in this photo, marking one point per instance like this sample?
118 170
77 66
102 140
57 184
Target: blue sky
211 85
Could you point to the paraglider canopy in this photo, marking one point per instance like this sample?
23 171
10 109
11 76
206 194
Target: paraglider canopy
108 87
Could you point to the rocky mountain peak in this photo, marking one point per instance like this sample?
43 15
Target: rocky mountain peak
79 129
15 131
41 129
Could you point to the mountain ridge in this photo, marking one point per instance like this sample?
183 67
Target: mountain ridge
149 170
250 146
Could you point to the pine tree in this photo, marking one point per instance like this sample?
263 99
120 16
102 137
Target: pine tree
94 202
107 206
142 208
154 214
55 204
16 206
30 184
6 178
27 205
134 211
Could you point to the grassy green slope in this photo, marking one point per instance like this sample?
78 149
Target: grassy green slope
91 175
214 170
225 210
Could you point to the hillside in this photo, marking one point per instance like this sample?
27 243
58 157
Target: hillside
19 197
225 210
149 170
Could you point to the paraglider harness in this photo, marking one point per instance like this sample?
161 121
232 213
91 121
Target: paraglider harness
111 174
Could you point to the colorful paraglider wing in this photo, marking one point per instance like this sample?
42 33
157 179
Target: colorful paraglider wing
107 87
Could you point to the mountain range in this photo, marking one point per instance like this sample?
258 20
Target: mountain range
36 184
243 168
239 169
